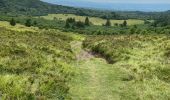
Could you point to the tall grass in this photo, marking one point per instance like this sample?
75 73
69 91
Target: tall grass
34 64
145 57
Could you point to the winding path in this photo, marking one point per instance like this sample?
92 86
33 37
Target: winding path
94 79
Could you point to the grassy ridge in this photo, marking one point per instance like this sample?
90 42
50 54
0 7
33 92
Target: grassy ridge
34 64
144 57
94 20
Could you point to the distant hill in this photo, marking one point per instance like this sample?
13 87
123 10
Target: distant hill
39 8
31 7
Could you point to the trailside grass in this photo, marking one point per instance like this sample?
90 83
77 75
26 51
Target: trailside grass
144 57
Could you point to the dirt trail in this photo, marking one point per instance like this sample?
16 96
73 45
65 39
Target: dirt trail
94 78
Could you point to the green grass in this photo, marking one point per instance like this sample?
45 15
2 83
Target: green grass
39 64
18 27
34 63
94 20
144 57
95 79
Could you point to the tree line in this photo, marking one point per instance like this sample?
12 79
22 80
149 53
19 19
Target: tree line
72 23
28 22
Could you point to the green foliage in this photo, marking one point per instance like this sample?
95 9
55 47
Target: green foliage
79 24
28 23
108 23
162 20
125 23
87 22
35 23
67 25
12 22
70 22
116 24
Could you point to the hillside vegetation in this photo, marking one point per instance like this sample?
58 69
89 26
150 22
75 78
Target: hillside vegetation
34 64
117 55
144 57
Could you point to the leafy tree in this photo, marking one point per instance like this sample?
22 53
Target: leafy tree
87 22
28 23
35 22
67 25
12 22
108 23
125 23
79 24
116 24
71 20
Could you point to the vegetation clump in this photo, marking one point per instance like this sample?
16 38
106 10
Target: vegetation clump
12 22
108 23
28 23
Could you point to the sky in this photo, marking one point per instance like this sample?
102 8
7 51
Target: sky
119 1
128 5
129 1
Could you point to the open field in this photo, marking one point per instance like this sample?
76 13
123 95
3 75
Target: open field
94 20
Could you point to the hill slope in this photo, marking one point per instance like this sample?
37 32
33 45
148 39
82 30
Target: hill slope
37 8
31 7
34 64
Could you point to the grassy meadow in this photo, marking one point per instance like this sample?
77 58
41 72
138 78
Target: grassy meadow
93 20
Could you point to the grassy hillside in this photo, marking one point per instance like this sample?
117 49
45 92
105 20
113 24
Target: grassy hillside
34 64
93 20
144 57
31 7
18 27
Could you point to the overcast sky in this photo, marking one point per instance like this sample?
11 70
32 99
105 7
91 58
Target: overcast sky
131 5
128 1
117 1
